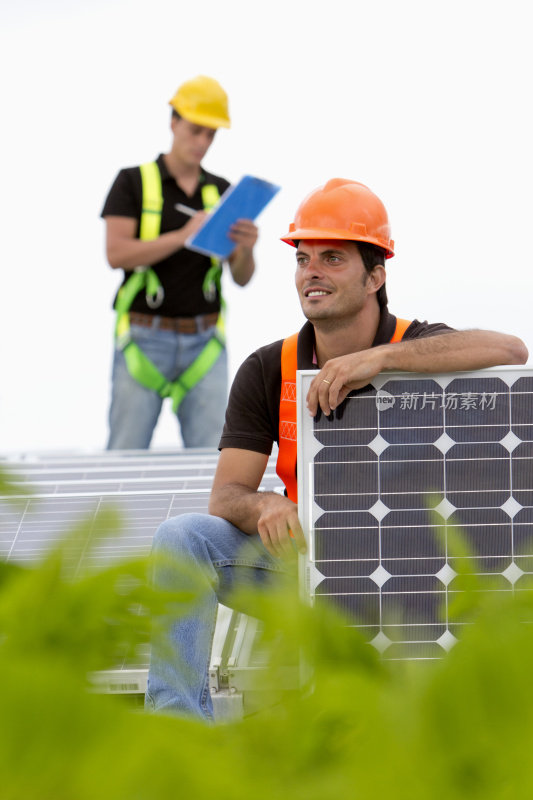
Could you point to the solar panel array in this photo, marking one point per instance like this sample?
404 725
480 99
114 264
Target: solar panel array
61 491
387 484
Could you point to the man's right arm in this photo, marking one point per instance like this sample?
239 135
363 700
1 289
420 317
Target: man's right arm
125 251
234 497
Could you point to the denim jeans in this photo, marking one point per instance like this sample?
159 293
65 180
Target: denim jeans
225 558
135 410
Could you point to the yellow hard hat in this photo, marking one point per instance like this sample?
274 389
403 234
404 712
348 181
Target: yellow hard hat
202 100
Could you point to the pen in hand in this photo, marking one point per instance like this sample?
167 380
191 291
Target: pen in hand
186 210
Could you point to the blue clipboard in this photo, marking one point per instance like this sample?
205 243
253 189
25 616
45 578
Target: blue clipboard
245 200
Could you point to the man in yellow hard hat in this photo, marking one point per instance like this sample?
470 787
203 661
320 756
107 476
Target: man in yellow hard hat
342 239
169 334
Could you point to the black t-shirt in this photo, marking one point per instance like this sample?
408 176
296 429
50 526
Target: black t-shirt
252 414
182 273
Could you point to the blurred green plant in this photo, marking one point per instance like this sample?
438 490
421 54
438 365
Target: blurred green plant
459 728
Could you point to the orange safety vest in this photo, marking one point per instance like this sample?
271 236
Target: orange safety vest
286 463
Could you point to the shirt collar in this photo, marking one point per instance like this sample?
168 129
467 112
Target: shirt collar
386 327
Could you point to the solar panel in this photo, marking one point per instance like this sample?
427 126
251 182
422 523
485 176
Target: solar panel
146 487
60 491
387 481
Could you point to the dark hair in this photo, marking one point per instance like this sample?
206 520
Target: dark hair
373 256
175 114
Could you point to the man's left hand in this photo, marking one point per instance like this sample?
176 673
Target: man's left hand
339 376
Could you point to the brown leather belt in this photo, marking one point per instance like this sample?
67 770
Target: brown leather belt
177 324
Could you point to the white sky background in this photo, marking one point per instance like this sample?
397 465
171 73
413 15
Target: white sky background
427 103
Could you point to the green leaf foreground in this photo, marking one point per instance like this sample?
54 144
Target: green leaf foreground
460 727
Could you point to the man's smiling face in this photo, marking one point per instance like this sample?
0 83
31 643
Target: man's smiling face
331 279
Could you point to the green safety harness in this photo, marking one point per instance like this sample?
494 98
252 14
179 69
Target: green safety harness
140 367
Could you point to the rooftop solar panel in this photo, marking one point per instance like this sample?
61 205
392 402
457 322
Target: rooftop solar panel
388 479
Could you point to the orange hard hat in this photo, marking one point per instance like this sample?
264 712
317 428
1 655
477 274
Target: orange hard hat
202 100
342 209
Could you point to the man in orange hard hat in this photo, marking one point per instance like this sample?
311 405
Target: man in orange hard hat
169 332
342 239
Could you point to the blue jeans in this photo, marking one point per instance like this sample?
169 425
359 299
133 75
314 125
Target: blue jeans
206 551
135 410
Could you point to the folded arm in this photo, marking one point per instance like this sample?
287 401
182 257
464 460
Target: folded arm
234 497
449 352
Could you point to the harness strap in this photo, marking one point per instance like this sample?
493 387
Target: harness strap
286 463
196 371
212 281
401 327
152 201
